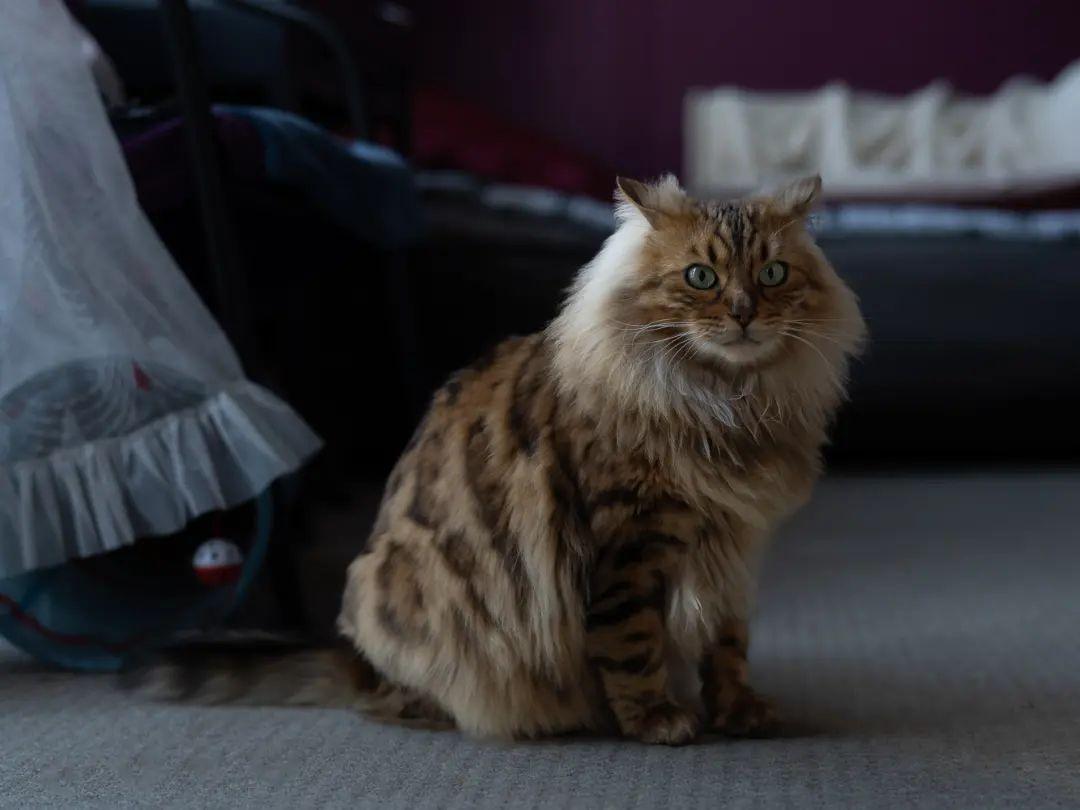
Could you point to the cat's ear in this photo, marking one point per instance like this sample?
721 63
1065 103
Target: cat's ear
654 201
796 199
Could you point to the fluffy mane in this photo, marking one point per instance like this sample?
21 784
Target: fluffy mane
602 363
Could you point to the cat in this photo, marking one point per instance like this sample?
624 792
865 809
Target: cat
570 539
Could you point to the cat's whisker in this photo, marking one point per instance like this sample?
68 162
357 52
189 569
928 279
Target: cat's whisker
659 353
664 339
654 326
688 350
681 349
639 327
664 342
812 324
814 333
821 354
670 352
783 228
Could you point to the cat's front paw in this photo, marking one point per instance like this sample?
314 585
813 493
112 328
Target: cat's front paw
748 715
665 724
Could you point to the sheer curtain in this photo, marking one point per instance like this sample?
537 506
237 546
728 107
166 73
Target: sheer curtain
123 409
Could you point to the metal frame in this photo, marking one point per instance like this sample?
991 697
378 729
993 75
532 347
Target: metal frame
334 41
221 246
224 256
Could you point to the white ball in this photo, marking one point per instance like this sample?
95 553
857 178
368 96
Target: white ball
217 553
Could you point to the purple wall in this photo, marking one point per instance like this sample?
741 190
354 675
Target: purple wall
608 76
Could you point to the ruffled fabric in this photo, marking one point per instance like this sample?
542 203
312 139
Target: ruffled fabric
123 408
100 495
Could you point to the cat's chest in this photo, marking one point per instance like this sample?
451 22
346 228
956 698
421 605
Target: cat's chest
761 485
760 492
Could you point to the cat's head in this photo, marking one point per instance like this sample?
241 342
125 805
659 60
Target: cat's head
736 288
736 283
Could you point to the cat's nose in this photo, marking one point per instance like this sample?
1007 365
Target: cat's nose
743 309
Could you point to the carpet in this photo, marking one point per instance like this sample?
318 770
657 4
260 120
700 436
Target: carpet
921 633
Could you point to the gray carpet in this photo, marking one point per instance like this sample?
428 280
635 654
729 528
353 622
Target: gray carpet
922 633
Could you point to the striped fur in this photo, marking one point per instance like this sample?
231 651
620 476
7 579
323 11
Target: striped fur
569 541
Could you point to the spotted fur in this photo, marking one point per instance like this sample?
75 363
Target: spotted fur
570 541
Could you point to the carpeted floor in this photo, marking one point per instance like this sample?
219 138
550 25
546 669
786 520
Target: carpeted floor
922 633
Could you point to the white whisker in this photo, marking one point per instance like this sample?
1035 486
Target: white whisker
802 330
820 354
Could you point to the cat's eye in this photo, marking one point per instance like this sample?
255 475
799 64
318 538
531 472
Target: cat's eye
773 274
700 276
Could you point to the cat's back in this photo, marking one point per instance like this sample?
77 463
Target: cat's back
467 438
474 562
498 392
474 496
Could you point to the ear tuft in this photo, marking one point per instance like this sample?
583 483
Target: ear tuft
797 198
633 191
653 201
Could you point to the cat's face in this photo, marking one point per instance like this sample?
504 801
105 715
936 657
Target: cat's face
735 284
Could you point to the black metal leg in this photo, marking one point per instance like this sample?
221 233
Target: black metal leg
282 564
410 359
225 261
222 253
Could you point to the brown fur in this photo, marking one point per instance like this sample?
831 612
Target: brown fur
562 543
569 541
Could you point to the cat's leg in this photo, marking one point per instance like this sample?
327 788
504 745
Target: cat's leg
627 641
732 706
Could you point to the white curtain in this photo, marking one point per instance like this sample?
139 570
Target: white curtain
124 411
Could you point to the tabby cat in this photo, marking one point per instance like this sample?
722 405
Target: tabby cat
569 540
572 532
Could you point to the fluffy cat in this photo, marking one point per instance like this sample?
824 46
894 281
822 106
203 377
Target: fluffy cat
572 533
569 540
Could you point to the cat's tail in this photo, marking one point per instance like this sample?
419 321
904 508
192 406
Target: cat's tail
267 671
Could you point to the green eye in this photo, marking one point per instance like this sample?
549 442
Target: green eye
700 277
773 274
